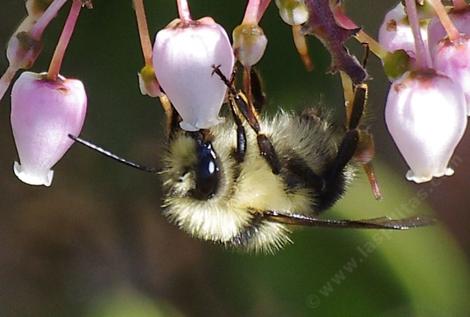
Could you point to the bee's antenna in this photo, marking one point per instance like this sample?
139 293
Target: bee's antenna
112 155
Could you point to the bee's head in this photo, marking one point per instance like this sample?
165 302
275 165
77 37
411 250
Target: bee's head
193 169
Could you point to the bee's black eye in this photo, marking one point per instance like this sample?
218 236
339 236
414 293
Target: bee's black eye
207 172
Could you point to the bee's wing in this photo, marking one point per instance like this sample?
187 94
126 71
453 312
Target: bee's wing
373 223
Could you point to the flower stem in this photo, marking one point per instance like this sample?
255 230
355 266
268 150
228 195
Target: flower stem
45 19
183 10
361 36
374 46
262 8
301 46
64 40
446 22
145 42
251 12
6 79
423 59
459 4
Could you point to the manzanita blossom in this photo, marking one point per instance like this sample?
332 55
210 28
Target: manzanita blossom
426 116
43 114
184 55
452 59
436 32
395 32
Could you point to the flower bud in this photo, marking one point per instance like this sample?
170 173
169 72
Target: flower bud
293 12
436 32
426 116
23 50
249 43
148 83
43 113
453 59
395 32
184 56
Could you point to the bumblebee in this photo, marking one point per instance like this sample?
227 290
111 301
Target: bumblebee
243 182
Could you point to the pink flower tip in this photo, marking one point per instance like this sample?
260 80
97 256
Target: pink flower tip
43 114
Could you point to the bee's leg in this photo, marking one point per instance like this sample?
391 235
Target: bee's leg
265 146
241 134
240 102
364 149
253 85
172 117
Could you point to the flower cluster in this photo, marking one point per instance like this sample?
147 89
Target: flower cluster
427 106
424 50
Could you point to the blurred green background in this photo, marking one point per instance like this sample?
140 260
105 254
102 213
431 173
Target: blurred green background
94 244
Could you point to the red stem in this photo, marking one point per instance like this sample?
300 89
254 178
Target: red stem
6 79
262 8
145 41
423 59
183 10
64 40
446 22
251 12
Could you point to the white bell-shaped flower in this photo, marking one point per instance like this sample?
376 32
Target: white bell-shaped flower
395 32
184 56
426 116
453 59
43 114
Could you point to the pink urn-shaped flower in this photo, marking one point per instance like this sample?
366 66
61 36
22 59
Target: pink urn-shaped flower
436 32
43 114
452 59
426 116
184 55
395 32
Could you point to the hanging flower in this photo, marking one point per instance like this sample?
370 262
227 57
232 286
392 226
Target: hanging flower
452 59
184 55
436 32
395 32
426 116
43 114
